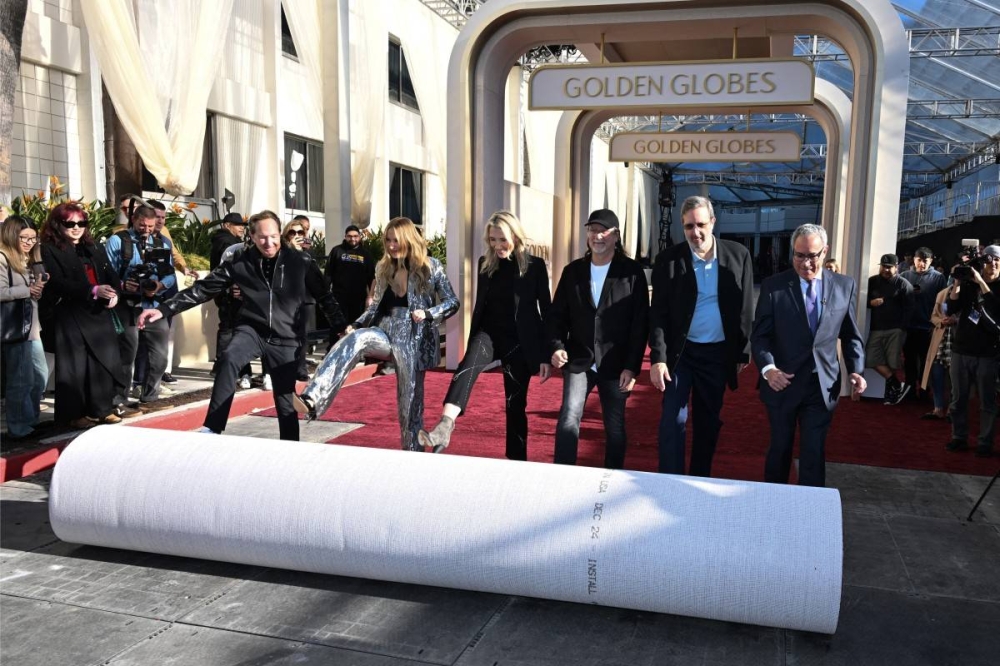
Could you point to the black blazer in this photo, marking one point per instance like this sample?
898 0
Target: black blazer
611 333
531 306
675 294
781 336
68 311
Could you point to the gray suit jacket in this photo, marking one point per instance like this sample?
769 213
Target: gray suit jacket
781 335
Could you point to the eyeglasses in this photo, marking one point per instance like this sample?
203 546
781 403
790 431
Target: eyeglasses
803 256
28 240
69 224
297 232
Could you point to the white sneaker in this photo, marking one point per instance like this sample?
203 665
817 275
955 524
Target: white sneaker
166 390
206 430
244 382
266 386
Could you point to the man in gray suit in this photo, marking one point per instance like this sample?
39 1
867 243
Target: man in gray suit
801 313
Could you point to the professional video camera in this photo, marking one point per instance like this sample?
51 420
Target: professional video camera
155 264
970 257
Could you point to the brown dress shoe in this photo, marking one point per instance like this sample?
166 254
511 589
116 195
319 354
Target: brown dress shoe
82 422
111 419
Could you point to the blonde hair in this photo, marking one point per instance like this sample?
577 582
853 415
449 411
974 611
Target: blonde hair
511 227
413 253
288 227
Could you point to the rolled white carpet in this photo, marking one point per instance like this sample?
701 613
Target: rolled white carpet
726 550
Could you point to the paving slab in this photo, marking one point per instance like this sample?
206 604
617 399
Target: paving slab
267 427
973 488
538 632
40 633
143 584
883 628
951 558
429 624
185 645
898 491
24 521
871 556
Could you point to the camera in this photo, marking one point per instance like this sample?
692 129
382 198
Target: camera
969 258
155 262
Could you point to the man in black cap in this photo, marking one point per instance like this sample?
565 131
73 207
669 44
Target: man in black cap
350 271
699 341
890 299
230 232
597 329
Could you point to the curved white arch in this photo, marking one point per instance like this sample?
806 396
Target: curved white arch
869 31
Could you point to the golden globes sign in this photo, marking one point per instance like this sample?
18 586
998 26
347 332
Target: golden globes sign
705 147
751 82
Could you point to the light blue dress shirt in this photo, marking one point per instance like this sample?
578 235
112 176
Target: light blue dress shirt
706 324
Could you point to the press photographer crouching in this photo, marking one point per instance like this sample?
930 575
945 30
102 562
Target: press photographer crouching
974 298
143 261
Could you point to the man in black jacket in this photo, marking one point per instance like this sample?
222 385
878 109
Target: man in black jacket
699 334
274 283
597 329
350 271
229 233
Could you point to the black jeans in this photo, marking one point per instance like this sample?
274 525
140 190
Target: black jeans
576 387
245 346
701 370
915 355
516 376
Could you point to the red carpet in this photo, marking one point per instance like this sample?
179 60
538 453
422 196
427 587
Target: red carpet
864 433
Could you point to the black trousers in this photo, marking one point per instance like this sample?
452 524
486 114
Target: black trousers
915 354
84 387
516 375
810 414
245 346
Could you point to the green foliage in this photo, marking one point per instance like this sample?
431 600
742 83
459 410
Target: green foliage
437 247
36 207
373 242
318 249
191 235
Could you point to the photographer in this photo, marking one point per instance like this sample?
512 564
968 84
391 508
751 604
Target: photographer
974 298
142 259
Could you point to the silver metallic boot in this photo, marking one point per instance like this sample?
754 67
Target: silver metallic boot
438 438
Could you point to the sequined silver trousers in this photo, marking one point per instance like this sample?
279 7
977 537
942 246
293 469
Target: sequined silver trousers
393 339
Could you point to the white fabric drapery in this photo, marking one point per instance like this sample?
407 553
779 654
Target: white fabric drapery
172 52
427 57
369 73
239 146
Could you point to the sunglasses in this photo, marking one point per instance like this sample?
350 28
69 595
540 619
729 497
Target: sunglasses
69 224
297 232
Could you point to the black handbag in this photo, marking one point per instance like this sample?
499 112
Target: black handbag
15 316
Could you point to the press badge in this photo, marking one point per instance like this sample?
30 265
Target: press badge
974 316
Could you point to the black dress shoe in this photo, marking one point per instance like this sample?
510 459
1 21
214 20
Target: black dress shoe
957 445
168 378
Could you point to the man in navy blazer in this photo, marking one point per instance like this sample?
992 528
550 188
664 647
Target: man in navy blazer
699 334
801 314
597 327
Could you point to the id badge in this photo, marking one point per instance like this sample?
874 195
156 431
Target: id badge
974 316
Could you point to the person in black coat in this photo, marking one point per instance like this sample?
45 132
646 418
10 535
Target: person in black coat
77 319
699 341
230 233
512 298
597 328
275 281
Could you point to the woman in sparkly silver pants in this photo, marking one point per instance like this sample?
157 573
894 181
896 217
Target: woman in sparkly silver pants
412 296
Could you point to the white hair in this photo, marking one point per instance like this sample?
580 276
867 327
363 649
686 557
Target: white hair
809 230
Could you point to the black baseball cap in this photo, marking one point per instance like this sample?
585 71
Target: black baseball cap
234 218
889 260
604 217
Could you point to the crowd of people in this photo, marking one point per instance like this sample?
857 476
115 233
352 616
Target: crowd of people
105 311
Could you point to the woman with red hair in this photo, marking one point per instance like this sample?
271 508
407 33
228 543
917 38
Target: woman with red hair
77 320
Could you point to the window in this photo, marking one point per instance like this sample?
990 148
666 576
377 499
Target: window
287 43
406 194
400 84
303 184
